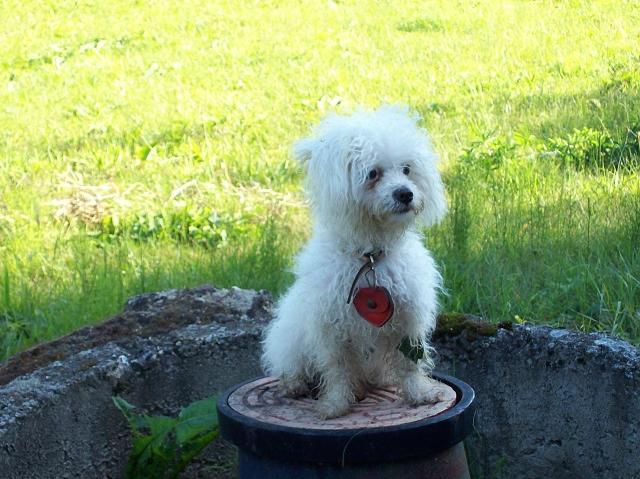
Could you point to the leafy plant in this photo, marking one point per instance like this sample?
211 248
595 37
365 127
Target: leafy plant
485 154
163 446
589 148
201 226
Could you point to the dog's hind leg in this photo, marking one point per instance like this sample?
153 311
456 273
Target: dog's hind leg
284 354
285 362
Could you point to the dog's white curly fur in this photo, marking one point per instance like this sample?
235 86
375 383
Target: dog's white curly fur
354 165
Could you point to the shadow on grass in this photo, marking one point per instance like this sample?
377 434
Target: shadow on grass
560 260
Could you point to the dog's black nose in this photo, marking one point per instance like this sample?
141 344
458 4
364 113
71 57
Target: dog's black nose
404 195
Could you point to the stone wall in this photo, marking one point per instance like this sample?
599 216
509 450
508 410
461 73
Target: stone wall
551 403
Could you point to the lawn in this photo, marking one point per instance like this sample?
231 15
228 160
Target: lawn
145 145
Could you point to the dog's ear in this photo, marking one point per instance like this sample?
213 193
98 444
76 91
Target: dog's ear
435 205
303 150
323 156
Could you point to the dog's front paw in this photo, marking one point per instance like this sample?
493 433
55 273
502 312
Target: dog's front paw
330 408
418 389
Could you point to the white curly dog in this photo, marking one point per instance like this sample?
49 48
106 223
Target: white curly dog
372 180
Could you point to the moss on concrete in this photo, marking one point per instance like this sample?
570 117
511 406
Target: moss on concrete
454 324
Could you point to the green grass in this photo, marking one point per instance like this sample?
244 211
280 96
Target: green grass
145 145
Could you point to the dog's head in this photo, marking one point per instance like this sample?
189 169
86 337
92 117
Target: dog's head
374 167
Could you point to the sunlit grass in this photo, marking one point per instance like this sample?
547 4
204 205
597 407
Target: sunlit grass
145 146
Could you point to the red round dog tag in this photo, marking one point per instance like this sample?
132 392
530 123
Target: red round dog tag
374 304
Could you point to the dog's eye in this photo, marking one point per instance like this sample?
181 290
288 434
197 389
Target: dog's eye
373 174
406 170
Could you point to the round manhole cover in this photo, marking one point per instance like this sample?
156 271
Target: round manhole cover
262 400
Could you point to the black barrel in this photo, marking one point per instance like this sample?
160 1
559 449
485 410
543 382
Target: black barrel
382 438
